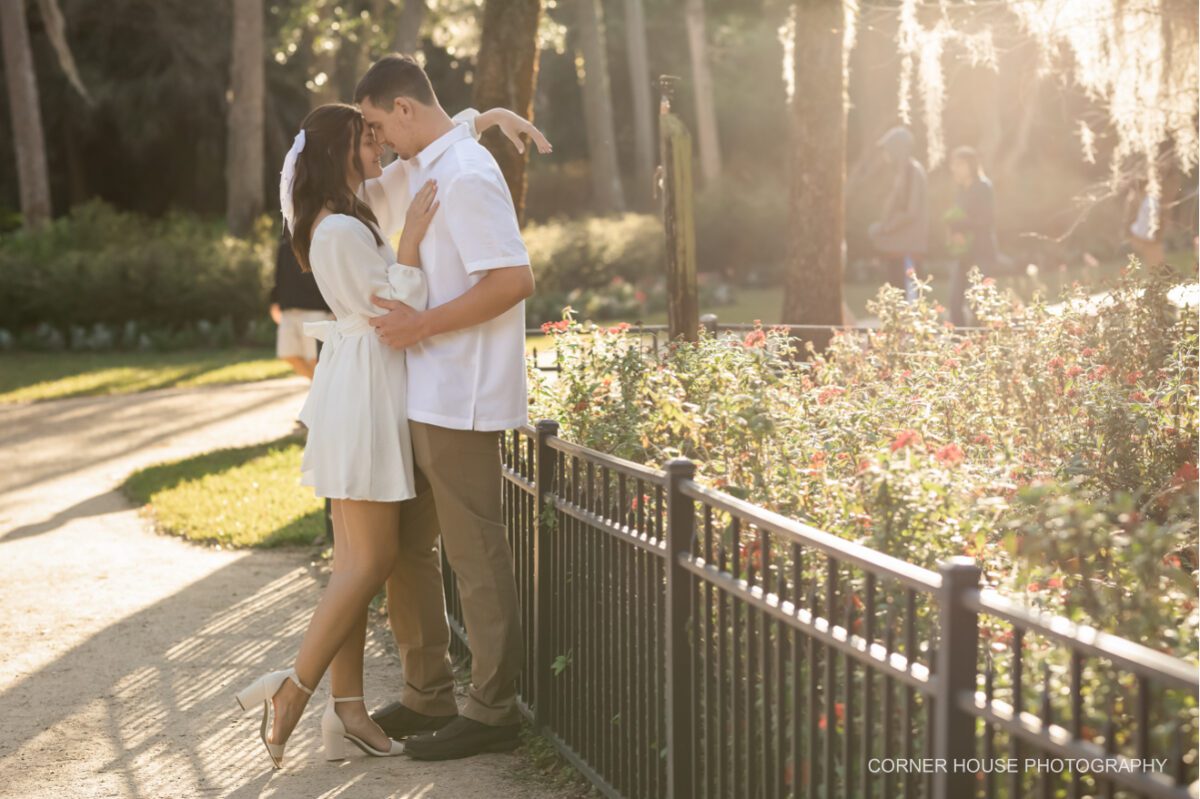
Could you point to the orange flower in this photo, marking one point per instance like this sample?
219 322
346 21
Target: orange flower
755 338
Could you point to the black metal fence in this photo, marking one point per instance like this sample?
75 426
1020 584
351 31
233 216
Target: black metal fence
683 643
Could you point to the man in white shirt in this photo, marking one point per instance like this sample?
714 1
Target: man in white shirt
466 366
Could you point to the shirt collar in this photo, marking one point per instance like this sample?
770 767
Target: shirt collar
434 149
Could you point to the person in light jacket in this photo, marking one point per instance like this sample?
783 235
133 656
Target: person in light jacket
902 234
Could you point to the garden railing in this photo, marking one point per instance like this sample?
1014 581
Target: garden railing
680 642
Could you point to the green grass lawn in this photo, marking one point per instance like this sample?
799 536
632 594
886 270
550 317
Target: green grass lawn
37 376
247 497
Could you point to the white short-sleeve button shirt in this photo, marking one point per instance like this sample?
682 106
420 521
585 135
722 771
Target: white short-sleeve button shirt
470 379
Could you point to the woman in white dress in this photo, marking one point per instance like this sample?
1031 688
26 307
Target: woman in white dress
358 451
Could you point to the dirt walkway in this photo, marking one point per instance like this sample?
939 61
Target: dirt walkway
122 648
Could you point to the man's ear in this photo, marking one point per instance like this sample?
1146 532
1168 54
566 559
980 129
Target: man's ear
403 106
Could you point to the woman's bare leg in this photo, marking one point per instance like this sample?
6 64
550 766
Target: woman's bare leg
366 551
346 674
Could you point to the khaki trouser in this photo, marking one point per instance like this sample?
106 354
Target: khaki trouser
458 491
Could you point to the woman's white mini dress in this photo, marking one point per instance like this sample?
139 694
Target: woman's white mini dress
356 412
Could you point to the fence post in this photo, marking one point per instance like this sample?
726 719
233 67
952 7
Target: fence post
681 528
543 596
953 728
709 322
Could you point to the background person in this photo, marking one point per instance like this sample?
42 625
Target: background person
902 233
295 299
972 227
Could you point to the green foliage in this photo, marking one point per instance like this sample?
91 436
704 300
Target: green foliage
100 266
246 497
1046 446
36 377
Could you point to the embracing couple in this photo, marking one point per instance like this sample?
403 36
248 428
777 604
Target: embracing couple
420 372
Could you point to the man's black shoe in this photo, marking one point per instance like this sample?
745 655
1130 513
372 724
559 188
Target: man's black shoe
463 737
399 721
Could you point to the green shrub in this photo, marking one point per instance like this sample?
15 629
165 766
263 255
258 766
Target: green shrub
1057 449
100 266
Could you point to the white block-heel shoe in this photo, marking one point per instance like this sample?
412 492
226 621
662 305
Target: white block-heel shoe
334 735
260 692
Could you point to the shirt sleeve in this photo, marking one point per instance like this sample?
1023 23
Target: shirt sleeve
407 284
389 195
482 221
351 264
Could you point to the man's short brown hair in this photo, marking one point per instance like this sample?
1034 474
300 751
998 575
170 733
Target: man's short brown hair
394 76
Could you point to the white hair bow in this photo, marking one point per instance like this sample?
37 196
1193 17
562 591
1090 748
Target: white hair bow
287 179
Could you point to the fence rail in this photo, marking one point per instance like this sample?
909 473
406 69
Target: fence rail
683 643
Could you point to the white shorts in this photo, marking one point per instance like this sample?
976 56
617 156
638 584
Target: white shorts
290 341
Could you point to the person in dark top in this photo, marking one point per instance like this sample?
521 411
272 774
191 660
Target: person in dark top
295 299
972 227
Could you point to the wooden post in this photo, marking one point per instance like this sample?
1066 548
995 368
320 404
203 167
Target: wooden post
675 142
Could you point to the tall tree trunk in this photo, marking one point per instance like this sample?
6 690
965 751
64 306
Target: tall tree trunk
597 109
408 27
244 158
26 113
505 75
706 109
643 103
816 201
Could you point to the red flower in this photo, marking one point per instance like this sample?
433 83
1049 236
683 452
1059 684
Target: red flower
755 338
839 710
1054 582
1187 474
1098 372
951 453
1074 371
1139 396
1056 363
829 393
989 281
864 465
982 439
904 438
818 459
639 296
1033 587
1088 352
1132 378
579 406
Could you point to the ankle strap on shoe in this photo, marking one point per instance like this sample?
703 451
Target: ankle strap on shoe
296 679
337 699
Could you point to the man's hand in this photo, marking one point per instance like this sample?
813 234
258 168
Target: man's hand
401 327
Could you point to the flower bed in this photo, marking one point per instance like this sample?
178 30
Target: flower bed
1059 450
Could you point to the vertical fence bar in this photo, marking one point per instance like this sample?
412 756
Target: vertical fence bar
681 528
543 597
954 729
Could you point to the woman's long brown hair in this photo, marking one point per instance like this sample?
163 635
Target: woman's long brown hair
332 135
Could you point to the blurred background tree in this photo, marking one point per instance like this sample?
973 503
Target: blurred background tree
1033 86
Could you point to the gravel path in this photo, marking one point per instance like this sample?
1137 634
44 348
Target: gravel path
122 648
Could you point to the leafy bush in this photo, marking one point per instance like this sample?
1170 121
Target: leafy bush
1057 449
107 268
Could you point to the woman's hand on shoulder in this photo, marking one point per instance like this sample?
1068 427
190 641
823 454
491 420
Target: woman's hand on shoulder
416 223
